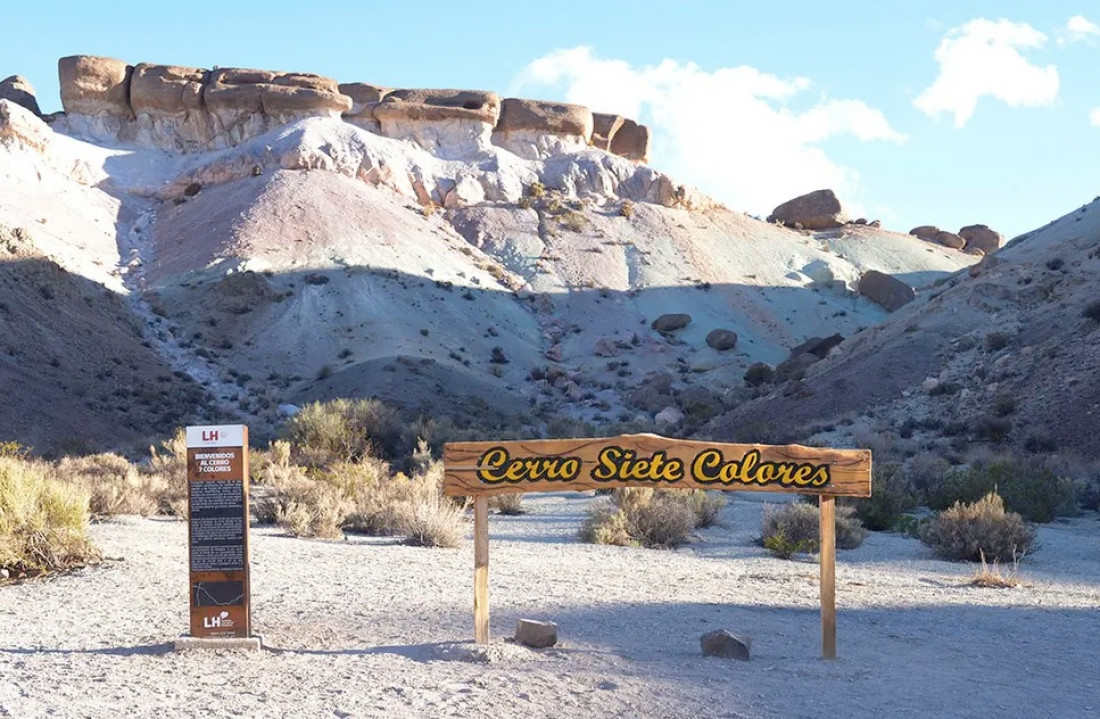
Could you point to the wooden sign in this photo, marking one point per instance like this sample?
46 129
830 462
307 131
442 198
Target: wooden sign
482 469
217 501
477 469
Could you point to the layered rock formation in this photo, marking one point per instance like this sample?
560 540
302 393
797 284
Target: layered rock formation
449 123
188 109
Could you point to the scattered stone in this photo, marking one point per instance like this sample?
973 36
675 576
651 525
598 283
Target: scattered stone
553 353
722 340
18 90
982 238
875 223
536 634
289 410
668 418
859 221
671 322
885 290
818 346
819 272
817 210
606 347
950 239
724 643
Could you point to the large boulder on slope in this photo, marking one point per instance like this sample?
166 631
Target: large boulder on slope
980 237
631 141
950 239
885 290
18 90
554 118
604 127
438 105
95 85
364 98
817 210
925 232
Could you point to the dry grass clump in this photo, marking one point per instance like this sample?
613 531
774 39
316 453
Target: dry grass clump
990 576
43 521
650 518
793 528
169 465
363 497
983 529
114 485
508 504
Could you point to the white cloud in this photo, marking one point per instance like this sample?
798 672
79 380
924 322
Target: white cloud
1094 117
1080 28
730 131
982 58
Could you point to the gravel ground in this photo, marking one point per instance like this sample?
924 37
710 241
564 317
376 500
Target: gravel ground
369 627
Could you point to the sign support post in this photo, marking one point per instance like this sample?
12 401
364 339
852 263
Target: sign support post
217 538
828 576
481 570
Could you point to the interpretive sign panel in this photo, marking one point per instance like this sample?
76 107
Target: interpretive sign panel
217 496
482 469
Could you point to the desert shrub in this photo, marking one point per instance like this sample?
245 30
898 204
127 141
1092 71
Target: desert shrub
428 518
641 516
312 509
626 209
759 373
168 467
995 341
1027 487
345 430
114 486
892 495
994 429
925 470
797 524
1087 491
972 531
509 504
43 521
14 449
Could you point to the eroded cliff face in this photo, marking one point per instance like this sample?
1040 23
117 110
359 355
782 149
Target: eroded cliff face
186 109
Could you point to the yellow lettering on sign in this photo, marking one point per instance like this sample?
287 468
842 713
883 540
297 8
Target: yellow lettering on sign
497 466
710 467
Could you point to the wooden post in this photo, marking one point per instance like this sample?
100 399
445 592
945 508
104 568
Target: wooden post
828 577
481 570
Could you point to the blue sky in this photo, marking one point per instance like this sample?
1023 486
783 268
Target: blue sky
945 113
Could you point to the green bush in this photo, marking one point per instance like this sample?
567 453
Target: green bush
892 495
795 526
43 521
1026 486
982 530
346 430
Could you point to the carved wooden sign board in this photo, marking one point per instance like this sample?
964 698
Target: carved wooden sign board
217 502
483 469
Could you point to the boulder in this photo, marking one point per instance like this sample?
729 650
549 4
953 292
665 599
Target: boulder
535 130
18 90
631 141
925 232
668 418
604 127
817 210
724 643
166 89
438 105
606 347
980 237
450 123
95 85
552 118
722 340
364 98
885 290
819 272
671 322
950 239
536 634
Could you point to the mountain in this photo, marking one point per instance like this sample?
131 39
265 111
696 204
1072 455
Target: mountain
229 244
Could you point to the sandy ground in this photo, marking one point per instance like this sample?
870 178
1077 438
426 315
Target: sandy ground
368 627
